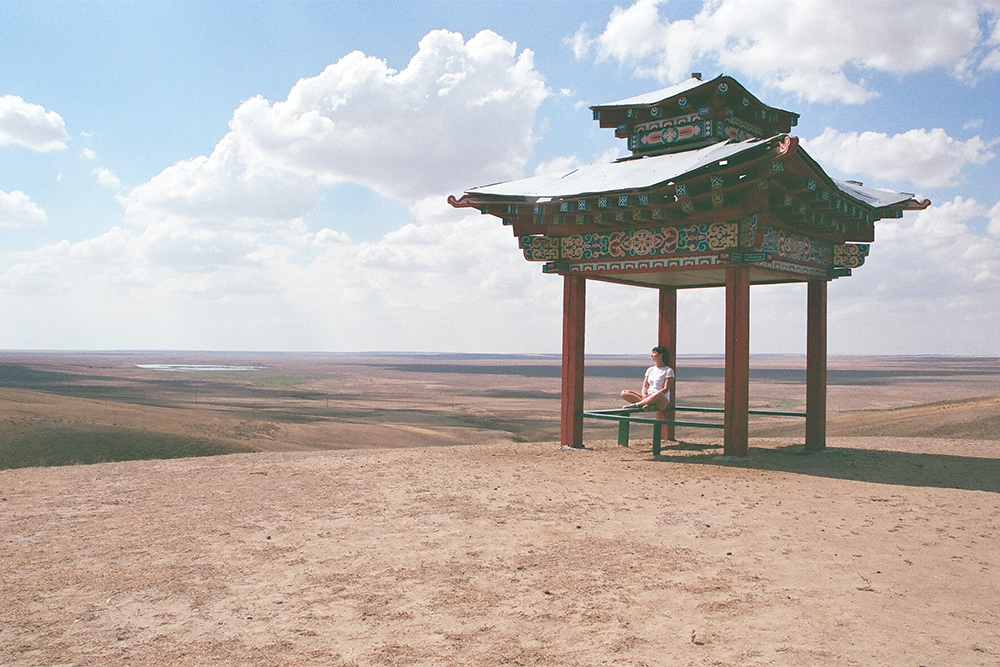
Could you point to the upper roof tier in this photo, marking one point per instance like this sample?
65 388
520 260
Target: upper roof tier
692 114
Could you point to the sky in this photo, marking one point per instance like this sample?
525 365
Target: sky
273 175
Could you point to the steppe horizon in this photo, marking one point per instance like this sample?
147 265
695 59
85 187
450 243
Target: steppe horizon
268 401
368 353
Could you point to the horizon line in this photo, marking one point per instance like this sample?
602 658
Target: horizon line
416 353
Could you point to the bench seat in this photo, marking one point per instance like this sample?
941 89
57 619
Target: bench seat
627 416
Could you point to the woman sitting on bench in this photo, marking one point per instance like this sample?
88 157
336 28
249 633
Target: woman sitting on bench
656 385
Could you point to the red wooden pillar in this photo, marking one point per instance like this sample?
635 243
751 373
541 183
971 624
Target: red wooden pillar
737 361
816 366
574 319
667 337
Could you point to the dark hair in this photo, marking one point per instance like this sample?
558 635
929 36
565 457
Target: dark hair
662 351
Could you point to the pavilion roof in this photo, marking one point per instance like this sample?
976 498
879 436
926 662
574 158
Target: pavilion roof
875 197
722 97
722 183
656 96
632 174
627 174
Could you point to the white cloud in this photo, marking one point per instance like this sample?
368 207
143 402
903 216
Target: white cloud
927 158
929 286
105 177
448 282
991 61
223 248
811 48
932 227
580 42
219 244
224 192
30 125
452 279
16 210
994 221
460 114
88 153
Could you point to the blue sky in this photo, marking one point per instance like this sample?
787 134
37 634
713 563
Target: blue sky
272 175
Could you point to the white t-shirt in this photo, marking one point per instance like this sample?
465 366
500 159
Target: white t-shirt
657 377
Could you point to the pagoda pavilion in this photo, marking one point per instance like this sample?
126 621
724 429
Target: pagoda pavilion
716 192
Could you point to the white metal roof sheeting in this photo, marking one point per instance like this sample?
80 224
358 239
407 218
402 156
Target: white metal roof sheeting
656 95
648 172
872 196
617 176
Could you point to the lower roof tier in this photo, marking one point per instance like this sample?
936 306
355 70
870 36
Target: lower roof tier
720 182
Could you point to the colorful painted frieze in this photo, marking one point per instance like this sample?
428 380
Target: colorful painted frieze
750 235
796 247
798 269
646 242
632 265
850 255
746 234
738 129
540 248
691 127
652 138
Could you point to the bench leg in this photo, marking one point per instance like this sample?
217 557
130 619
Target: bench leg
623 432
657 433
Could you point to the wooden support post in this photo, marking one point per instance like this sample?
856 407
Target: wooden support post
574 319
816 366
737 399
667 337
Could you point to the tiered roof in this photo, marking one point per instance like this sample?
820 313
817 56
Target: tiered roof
691 114
680 209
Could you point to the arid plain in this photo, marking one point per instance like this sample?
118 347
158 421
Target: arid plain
416 510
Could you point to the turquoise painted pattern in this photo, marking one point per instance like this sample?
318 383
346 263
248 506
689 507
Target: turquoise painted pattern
796 247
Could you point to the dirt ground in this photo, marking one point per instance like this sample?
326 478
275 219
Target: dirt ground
437 537
880 552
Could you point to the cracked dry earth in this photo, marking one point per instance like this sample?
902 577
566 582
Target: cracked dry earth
882 551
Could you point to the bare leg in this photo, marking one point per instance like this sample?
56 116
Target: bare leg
653 402
656 402
630 396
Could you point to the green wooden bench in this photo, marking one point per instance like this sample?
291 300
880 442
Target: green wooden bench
627 416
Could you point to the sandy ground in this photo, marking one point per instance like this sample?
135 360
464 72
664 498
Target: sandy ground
882 551
449 529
